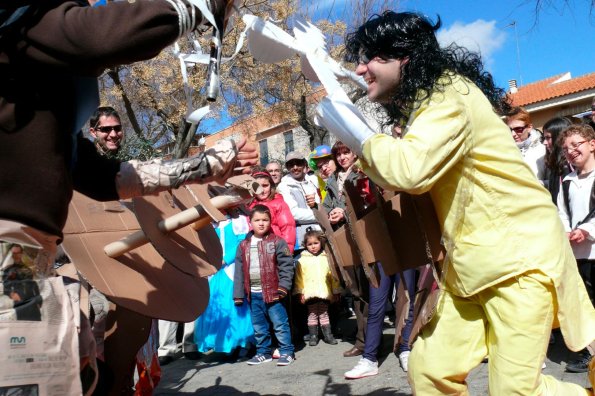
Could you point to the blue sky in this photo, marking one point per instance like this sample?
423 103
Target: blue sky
553 42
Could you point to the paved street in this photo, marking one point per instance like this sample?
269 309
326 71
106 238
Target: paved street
319 371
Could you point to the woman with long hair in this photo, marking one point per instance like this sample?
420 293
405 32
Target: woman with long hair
555 161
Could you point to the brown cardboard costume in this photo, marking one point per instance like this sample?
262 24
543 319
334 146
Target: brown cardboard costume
151 278
163 279
402 232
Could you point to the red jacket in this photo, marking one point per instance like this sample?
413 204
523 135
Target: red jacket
282 221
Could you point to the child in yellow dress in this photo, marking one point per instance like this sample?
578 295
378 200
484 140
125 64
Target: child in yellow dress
315 286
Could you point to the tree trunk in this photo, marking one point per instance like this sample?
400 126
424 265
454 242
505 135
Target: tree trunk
184 139
113 74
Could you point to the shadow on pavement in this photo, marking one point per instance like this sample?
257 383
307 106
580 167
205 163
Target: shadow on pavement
333 388
215 390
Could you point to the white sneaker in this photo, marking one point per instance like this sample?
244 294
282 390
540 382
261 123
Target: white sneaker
404 360
276 354
363 368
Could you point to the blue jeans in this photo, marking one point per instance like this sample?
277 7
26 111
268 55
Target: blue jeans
376 309
262 314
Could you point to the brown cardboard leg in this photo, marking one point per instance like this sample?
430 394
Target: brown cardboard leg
127 331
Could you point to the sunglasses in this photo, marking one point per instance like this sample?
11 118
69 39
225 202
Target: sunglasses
296 162
364 58
108 129
518 129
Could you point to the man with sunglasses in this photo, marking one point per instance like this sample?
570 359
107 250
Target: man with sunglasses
106 128
300 192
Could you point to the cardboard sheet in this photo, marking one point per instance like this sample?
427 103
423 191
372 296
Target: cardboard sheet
342 245
141 280
403 234
186 249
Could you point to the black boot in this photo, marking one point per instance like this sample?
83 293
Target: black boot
313 330
328 335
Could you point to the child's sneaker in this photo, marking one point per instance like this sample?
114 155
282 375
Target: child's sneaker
285 360
259 359
363 368
276 353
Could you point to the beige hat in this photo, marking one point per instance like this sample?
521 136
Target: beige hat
294 155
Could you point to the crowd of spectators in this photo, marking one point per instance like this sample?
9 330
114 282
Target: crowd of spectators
563 153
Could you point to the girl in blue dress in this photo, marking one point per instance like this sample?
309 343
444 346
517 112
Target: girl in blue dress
223 327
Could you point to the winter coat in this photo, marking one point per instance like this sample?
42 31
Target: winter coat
313 277
293 192
282 222
276 268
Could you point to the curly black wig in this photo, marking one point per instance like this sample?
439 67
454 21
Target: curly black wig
405 34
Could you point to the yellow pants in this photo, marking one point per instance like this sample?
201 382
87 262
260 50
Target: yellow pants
509 322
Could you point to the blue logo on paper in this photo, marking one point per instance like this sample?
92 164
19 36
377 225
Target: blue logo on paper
18 342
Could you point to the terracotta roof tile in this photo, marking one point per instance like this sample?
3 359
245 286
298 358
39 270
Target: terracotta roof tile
546 89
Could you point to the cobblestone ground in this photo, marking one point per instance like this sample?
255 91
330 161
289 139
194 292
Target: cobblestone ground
319 371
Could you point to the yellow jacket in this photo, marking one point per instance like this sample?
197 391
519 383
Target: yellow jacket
313 277
496 218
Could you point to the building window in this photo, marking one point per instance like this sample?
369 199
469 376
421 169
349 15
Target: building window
264 152
288 136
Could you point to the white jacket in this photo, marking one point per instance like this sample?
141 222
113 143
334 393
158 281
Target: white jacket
294 193
533 152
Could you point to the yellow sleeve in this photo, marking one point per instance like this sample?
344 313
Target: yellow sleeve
335 284
435 141
298 280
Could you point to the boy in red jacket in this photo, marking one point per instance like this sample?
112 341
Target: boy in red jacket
264 273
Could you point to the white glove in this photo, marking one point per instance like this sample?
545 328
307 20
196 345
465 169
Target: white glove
344 120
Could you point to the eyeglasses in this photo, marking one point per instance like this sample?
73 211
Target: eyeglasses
573 147
108 129
518 130
274 171
321 163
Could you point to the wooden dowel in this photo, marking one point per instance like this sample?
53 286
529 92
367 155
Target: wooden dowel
173 223
126 244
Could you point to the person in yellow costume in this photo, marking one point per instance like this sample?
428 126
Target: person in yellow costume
510 275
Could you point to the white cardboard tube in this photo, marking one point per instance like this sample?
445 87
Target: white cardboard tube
173 223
